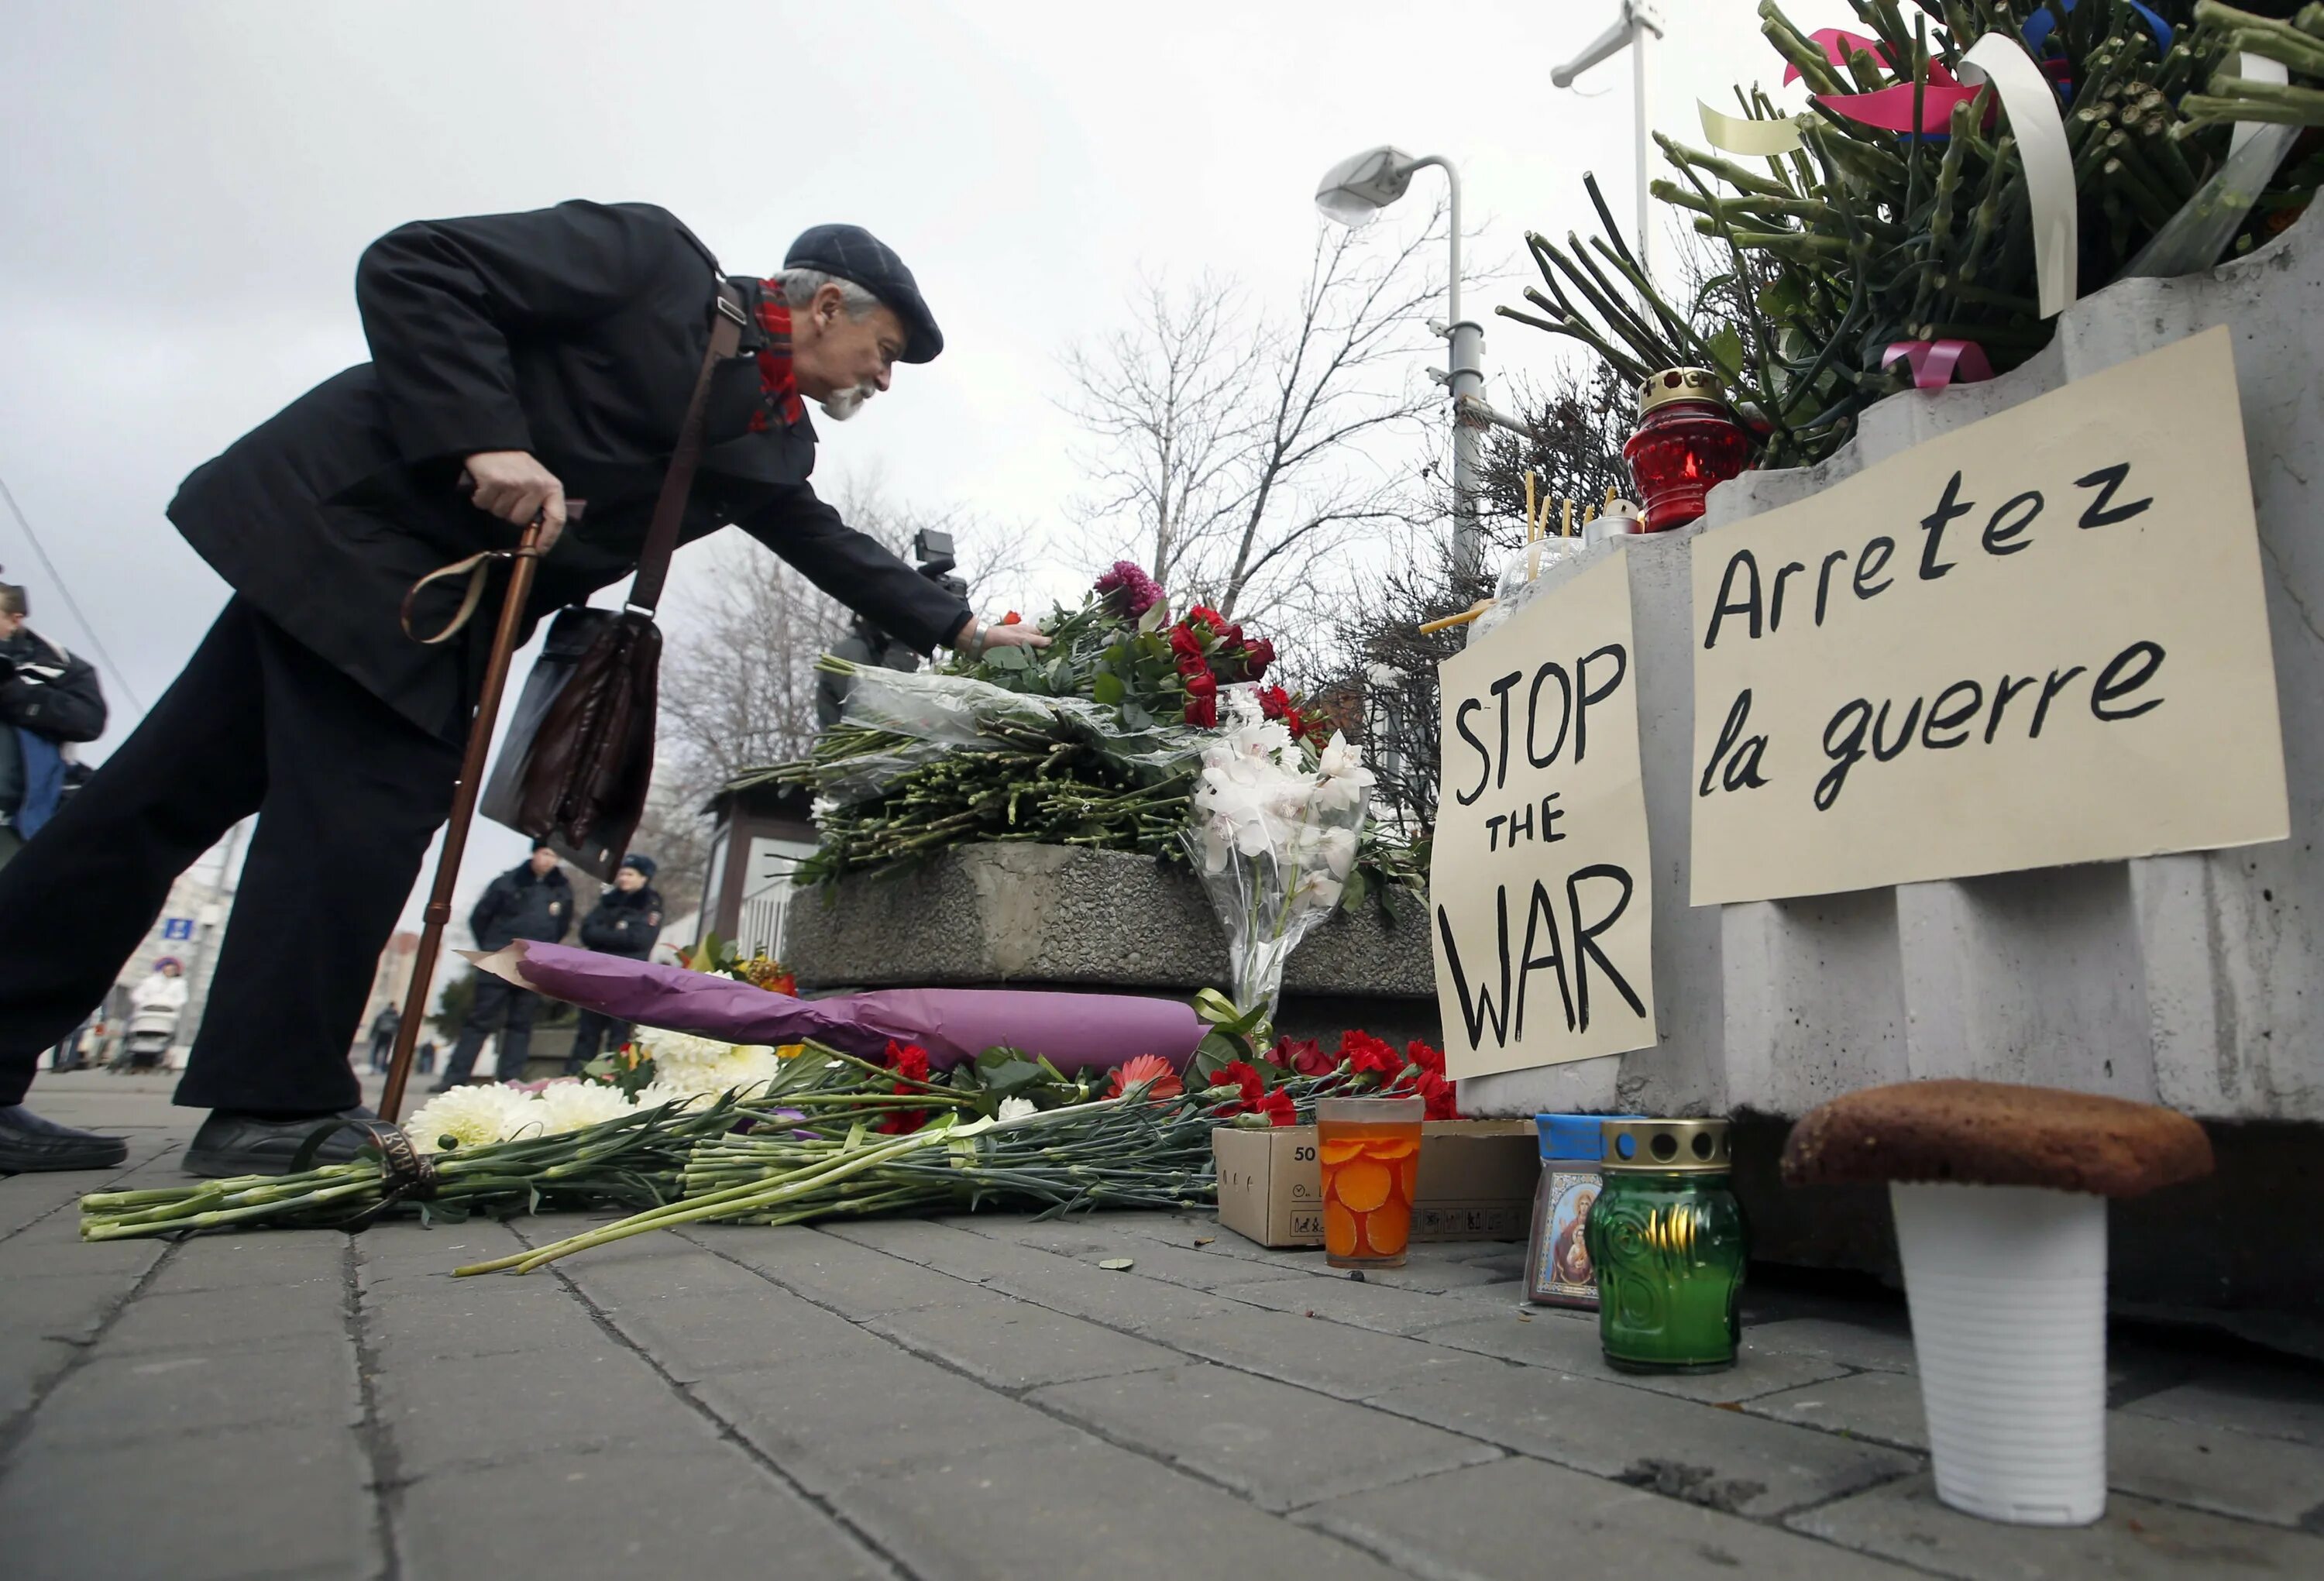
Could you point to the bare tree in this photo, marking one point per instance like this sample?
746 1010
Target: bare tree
1238 449
738 680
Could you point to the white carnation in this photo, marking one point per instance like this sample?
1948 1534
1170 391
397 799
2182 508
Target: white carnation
576 1106
1017 1108
474 1116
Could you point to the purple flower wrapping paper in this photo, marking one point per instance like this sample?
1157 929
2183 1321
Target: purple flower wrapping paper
1075 1031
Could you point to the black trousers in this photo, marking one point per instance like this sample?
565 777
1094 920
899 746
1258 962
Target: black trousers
592 1031
496 998
347 793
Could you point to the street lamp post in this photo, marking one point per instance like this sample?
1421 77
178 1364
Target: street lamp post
1352 193
1638 27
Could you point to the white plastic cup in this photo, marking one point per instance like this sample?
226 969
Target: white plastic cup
2007 1288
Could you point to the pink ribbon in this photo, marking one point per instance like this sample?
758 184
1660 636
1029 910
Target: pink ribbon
1839 43
1936 363
1889 109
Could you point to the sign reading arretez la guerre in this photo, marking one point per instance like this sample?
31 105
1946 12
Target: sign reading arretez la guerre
2041 639
1539 886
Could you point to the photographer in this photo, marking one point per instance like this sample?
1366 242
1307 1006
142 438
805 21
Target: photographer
866 645
49 700
537 356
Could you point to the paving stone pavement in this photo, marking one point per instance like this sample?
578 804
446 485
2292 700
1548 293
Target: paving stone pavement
975 1397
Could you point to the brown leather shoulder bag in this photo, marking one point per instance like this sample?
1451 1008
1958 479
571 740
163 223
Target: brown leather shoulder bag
577 761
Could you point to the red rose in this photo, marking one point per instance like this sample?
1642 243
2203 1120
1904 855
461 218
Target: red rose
1201 683
1186 645
1011 618
1208 616
1305 1055
1368 1055
1202 712
1257 656
1277 1108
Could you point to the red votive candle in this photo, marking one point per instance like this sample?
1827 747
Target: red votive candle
1686 440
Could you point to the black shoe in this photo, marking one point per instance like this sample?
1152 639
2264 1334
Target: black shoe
28 1144
232 1144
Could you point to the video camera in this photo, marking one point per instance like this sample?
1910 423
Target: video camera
934 550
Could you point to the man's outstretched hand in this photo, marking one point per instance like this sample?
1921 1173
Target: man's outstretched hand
978 638
515 487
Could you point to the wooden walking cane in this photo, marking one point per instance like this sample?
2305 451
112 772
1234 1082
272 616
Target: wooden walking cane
527 558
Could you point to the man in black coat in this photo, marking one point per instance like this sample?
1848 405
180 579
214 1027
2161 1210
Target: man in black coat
625 921
531 901
542 357
49 700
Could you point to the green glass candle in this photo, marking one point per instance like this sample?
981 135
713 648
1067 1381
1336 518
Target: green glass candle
1667 1238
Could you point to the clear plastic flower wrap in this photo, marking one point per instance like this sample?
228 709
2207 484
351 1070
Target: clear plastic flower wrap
1273 840
902 720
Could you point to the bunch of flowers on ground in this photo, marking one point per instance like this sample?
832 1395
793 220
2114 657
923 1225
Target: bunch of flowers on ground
828 1135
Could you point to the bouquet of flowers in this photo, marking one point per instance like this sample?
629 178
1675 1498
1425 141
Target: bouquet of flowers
1273 838
1096 741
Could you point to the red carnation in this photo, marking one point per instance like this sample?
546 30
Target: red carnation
1444 1100
1277 1108
1368 1055
909 1062
1250 1086
908 1059
1426 1057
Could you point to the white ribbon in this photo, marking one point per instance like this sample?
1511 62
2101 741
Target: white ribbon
2256 69
2031 104
1758 138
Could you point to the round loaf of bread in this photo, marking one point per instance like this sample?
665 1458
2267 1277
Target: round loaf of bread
1995 1133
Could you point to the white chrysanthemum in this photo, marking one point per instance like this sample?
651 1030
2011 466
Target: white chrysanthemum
1017 1108
474 1116
748 1069
576 1106
677 1049
657 1092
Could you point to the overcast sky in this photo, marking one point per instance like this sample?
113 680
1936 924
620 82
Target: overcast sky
188 186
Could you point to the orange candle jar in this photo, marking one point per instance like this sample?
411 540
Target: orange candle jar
1369 1150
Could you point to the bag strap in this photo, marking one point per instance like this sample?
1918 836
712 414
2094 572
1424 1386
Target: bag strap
669 507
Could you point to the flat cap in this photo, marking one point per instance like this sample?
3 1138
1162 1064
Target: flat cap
854 253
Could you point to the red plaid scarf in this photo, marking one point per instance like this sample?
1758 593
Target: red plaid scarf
778 393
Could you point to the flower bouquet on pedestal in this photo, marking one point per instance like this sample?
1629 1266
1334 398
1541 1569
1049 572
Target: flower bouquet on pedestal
1273 836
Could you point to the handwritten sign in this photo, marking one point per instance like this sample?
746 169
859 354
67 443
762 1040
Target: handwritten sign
1539 885
2039 639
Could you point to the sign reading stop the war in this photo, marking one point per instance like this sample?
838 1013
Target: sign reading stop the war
2041 639
1539 887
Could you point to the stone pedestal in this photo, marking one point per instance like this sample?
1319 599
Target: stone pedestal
1049 916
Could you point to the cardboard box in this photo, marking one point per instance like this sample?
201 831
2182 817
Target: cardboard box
1477 1180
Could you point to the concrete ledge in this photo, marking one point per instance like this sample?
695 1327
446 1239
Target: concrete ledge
1060 917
